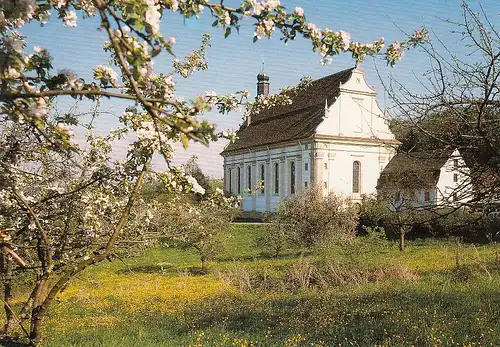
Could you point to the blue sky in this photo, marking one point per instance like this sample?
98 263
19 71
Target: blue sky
234 62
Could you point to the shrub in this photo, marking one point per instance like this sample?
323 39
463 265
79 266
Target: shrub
276 237
315 220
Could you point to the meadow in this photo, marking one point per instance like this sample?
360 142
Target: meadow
368 294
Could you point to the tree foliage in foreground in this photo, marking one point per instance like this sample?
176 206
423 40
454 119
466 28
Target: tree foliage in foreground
66 206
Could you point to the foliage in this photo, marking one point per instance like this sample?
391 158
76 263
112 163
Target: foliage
200 226
276 237
314 220
441 222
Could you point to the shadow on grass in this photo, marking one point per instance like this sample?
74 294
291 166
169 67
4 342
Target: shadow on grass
264 256
165 268
12 342
404 317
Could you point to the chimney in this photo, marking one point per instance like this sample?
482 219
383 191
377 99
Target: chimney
262 84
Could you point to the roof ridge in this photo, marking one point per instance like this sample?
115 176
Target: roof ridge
333 74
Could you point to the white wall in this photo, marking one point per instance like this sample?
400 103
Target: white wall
453 184
252 199
340 157
356 113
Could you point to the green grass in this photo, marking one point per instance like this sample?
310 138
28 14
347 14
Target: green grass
153 299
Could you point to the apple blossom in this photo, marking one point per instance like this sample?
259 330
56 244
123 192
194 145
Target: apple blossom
299 11
70 19
346 39
153 16
100 200
105 74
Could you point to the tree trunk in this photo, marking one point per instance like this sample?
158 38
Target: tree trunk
6 268
42 301
204 264
401 239
37 313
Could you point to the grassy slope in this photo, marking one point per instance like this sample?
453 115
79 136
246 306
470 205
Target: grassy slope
152 300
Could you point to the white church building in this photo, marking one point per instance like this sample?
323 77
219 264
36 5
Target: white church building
333 134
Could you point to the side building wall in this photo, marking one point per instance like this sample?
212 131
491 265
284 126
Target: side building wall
290 169
265 176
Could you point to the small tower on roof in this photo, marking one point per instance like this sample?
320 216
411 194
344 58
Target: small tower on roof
262 82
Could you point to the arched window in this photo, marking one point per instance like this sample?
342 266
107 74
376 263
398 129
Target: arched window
230 181
292 177
276 178
356 177
262 178
238 184
249 177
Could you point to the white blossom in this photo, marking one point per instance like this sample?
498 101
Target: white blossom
153 16
105 74
70 19
195 186
40 110
346 39
175 5
64 129
314 32
299 11
226 18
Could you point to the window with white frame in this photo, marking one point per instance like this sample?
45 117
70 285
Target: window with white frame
238 180
292 177
262 178
276 178
249 177
356 177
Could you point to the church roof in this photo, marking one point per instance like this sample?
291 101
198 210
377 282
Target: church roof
295 121
413 170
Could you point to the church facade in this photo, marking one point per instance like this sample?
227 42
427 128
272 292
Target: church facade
333 134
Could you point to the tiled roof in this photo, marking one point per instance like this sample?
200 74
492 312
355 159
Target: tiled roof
296 121
413 170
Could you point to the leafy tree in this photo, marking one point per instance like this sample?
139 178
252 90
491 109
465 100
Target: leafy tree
201 226
396 214
49 183
61 212
460 105
192 169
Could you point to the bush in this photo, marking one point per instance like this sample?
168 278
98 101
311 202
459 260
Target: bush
314 220
276 237
438 223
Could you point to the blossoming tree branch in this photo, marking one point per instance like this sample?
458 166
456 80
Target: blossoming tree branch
64 205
